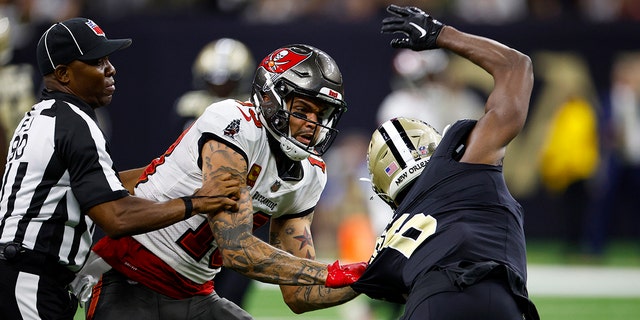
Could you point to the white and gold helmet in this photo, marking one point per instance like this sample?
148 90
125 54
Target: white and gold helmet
398 152
6 47
222 61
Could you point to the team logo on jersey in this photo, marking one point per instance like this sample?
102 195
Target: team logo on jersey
253 174
275 186
232 129
282 60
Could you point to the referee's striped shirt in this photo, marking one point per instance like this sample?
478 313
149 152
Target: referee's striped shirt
58 166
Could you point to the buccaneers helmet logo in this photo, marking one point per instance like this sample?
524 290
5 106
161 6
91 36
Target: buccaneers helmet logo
282 60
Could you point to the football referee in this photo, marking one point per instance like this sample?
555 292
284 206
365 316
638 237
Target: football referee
60 180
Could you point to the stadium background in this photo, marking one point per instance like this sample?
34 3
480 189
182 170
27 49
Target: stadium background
156 70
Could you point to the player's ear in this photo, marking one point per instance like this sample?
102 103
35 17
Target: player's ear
62 73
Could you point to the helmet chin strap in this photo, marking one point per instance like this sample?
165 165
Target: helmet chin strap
290 149
293 151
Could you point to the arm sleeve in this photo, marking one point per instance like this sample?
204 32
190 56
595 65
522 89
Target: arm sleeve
85 152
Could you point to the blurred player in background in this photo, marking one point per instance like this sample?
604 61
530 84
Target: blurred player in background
17 93
222 70
424 78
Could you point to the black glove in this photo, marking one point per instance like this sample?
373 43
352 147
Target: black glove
422 29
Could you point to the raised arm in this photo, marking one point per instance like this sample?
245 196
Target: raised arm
507 106
232 230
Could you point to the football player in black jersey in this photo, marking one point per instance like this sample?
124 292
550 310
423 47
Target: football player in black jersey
455 247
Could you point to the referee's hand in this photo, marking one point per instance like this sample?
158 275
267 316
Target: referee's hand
222 193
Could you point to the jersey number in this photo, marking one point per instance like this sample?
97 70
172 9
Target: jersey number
20 140
17 147
196 243
406 233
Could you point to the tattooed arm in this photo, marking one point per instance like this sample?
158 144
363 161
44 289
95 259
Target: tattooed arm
294 236
240 249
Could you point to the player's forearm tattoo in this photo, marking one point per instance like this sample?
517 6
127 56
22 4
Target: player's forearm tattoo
274 240
222 151
319 297
253 257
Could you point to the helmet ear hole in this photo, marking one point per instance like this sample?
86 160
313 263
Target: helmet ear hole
269 108
280 123
281 88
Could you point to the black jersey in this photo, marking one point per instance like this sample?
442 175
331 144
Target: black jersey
455 214
58 167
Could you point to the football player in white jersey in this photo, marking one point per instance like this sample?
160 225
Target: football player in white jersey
273 145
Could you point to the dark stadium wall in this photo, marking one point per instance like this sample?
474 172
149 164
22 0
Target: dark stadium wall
156 70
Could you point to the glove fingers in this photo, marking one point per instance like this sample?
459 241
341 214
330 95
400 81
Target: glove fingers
397 10
400 43
420 30
394 24
415 10
393 20
394 29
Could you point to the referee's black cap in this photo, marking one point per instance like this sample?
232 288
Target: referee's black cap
74 39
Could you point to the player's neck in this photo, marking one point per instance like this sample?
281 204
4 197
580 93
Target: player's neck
288 170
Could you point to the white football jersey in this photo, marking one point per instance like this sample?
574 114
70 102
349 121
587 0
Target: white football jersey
188 246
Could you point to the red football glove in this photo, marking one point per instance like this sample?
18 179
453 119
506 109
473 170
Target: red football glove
342 276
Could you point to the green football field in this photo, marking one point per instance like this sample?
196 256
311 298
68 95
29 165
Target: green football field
264 302
268 305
